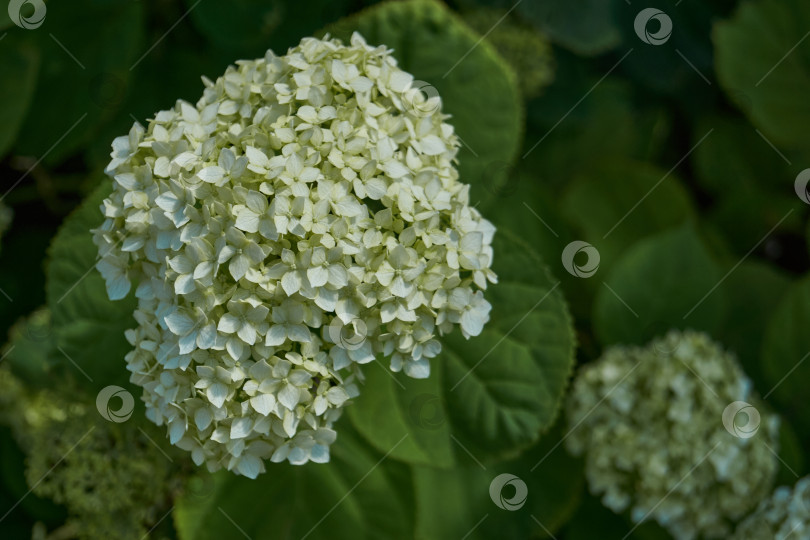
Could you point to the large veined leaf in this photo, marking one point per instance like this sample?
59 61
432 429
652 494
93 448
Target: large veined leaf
445 56
358 494
666 281
763 56
489 396
465 500
88 327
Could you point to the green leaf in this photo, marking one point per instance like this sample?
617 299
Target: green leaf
792 461
250 27
681 68
734 158
88 46
492 395
391 406
566 141
751 184
88 327
786 354
526 204
666 281
20 59
762 63
753 291
475 84
31 350
586 27
623 203
358 494
456 502
611 205
747 214
605 125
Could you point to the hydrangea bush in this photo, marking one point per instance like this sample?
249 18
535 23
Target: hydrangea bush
304 217
649 421
294 268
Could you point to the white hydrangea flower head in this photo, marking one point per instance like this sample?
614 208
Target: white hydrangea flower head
785 515
303 218
650 423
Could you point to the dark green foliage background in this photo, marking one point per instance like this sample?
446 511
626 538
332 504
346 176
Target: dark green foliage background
676 162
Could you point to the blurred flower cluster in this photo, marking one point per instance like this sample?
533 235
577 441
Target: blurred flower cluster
113 481
649 421
304 217
786 514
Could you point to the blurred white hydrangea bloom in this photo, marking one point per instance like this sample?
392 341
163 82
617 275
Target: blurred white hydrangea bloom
305 216
650 423
785 515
